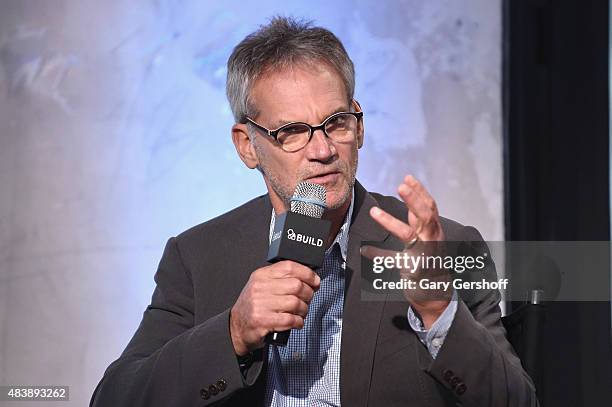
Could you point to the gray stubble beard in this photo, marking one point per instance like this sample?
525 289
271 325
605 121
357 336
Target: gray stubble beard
282 190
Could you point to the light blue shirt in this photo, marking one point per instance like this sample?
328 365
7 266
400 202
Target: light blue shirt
306 372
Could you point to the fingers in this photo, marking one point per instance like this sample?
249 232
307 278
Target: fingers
423 219
289 304
295 287
275 321
417 199
370 252
414 183
291 269
396 227
414 202
285 287
284 322
275 298
422 209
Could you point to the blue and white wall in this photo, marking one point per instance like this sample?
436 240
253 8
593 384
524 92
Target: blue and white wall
115 135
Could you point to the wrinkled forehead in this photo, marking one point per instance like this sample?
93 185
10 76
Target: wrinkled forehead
298 92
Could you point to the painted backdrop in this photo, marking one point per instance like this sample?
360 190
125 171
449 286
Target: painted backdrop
114 136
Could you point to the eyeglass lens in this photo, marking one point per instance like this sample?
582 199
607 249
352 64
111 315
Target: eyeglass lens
340 128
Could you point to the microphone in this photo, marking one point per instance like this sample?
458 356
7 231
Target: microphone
299 235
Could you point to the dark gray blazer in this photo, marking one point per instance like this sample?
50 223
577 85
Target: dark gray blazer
183 344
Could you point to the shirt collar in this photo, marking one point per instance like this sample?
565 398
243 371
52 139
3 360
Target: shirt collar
342 236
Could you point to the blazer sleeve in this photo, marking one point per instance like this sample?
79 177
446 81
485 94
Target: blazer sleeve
476 362
169 361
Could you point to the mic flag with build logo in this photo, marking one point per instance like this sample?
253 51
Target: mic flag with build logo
299 235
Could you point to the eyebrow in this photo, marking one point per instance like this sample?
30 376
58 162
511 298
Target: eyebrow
282 122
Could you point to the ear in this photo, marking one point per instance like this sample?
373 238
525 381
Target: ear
244 147
361 130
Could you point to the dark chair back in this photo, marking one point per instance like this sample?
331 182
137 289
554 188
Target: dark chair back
524 329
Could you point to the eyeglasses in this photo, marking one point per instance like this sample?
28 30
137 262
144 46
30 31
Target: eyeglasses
340 127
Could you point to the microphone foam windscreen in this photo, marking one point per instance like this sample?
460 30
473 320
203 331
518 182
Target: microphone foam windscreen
309 199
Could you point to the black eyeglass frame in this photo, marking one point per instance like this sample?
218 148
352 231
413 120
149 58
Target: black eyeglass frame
311 129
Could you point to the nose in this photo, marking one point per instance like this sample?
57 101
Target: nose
320 147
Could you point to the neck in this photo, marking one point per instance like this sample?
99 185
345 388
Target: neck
336 217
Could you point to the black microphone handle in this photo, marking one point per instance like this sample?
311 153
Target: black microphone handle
305 246
278 338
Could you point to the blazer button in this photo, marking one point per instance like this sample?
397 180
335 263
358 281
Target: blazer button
213 389
461 389
221 384
447 374
204 394
455 381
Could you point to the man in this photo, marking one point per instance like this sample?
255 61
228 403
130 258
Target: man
201 341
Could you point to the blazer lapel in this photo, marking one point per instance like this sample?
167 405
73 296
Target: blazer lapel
360 319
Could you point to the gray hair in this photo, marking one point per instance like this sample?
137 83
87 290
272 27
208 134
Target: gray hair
281 44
